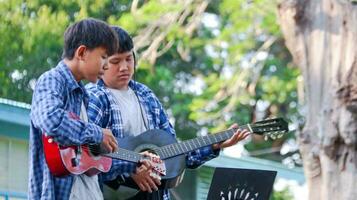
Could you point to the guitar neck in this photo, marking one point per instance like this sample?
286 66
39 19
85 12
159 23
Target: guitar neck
176 149
123 154
186 146
273 128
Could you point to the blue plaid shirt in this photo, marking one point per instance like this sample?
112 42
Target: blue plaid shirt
56 98
104 111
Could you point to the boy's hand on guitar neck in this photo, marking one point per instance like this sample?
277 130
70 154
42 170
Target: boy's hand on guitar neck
145 177
236 137
109 142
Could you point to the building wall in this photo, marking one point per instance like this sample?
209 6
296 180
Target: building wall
14 132
13 164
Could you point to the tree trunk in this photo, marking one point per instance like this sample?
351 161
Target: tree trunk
322 38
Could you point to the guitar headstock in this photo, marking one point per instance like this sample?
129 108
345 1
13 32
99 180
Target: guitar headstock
273 128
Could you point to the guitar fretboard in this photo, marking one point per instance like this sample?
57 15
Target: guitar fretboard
186 146
271 127
176 149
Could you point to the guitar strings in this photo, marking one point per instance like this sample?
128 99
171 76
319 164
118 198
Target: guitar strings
95 149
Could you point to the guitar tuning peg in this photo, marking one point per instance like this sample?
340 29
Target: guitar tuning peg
280 134
273 136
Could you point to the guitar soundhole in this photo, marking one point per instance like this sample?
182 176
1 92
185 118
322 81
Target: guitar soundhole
148 150
146 147
95 149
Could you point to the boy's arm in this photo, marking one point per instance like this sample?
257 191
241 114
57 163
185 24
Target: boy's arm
96 109
194 158
48 114
199 156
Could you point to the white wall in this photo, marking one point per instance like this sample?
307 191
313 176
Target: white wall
13 164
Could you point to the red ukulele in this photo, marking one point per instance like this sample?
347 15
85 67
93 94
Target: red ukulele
87 159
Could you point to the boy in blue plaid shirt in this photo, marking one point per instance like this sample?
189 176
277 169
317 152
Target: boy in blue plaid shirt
58 96
130 108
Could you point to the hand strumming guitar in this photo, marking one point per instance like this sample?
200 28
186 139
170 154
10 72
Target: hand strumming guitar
236 137
144 176
109 143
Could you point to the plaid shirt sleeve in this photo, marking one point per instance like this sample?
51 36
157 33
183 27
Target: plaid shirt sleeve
98 113
96 109
194 158
49 115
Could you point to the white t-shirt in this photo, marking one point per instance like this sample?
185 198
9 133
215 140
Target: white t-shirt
85 187
131 112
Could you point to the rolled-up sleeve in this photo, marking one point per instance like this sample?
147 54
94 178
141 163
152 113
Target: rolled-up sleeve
50 117
196 158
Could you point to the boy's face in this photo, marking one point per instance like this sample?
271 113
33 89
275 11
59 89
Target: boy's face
120 70
94 64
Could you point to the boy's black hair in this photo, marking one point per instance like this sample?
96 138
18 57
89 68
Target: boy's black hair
125 41
91 33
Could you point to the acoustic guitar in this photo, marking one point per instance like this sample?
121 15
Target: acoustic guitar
173 152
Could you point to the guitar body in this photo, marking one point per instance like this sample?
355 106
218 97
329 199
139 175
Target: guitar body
62 161
151 140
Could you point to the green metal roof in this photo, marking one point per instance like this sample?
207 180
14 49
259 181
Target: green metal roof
14 118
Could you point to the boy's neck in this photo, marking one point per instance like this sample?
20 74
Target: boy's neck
74 68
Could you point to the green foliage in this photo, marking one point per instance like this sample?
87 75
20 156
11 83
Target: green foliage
284 194
235 52
32 38
259 71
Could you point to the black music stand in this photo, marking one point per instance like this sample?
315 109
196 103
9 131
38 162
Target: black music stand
240 184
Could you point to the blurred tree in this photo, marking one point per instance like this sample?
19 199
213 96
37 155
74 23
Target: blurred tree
321 35
32 38
211 63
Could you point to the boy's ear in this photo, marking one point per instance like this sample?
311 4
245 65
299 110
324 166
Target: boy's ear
80 52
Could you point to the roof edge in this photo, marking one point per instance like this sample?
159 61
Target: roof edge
15 103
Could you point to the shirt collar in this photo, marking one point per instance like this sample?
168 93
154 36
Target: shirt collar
101 83
69 78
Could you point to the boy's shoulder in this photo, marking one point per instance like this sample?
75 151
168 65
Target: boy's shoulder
140 87
52 75
97 94
144 91
95 89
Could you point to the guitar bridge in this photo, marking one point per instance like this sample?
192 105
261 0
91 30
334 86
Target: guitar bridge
75 162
